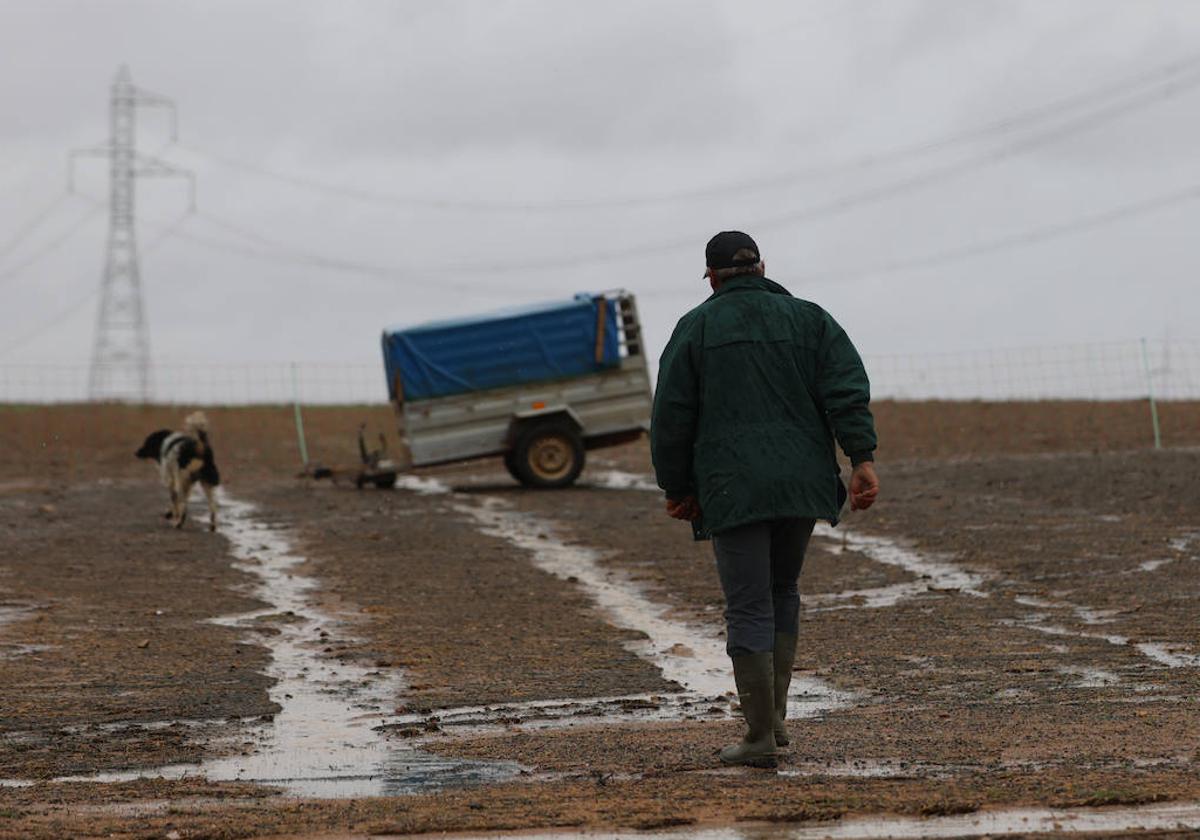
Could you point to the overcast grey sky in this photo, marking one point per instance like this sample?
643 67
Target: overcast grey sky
600 145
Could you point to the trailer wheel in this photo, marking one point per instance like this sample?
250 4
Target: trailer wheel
548 455
385 481
510 464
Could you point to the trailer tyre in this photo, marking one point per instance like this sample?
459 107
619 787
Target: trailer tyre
548 455
510 464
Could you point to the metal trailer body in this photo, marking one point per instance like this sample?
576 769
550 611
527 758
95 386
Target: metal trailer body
541 428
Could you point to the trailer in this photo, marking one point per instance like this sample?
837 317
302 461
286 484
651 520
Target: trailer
538 386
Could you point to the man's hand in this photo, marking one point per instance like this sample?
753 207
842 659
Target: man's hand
864 486
686 509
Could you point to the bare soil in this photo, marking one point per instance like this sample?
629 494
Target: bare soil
1010 695
89 441
109 662
470 620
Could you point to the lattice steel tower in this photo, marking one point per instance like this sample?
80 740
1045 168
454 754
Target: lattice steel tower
121 353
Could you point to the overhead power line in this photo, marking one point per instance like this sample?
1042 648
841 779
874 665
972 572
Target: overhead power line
411 275
838 205
1078 125
1000 128
1034 116
245 233
155 242
51 245
871 195
1010 242
60 317
1023 239
33 223
77 304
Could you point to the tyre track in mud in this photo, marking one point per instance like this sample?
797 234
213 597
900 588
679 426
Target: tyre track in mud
104 664
1096 554
958 709
950 678
470 621
322 742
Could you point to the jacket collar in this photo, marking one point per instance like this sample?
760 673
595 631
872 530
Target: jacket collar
749 282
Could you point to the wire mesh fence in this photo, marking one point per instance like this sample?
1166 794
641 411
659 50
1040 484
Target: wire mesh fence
1104 371
312 383
1130 370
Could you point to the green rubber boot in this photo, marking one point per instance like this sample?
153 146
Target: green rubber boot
785 655
755 677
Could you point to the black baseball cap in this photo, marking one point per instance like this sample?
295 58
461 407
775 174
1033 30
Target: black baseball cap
722 248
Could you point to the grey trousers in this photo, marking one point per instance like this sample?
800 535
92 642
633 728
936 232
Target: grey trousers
759 566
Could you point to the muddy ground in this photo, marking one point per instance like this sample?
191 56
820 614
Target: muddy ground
105 619
1049 655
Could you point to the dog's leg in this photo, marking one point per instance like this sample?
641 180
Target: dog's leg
184 491
210 493
167 476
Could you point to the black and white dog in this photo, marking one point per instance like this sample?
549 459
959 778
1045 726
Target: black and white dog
185 458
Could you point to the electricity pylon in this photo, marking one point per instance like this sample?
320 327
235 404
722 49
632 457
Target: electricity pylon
120 366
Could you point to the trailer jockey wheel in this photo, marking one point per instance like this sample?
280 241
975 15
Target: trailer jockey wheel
548 455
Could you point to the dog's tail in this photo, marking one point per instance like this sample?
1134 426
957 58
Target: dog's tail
197 424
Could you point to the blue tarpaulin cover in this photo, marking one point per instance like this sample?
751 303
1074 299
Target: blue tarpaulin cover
513 347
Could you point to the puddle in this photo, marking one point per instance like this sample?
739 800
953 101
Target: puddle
12 613
1151 565
1036 603
1089 615
692 656
872 769
1170 654
322 742
1089 677
937 575
331 735
618 480
1018 821
1184 544
868 599
13 651
932 574
1036 623
421 485
1086 615
564 714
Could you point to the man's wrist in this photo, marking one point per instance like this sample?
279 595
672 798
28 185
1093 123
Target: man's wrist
863 457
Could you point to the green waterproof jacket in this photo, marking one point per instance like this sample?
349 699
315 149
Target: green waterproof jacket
752 388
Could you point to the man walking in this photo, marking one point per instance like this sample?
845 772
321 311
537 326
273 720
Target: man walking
753 387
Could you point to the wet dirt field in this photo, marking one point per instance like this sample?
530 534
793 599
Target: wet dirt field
1013 625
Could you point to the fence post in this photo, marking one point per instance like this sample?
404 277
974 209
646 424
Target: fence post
299 419
1150 396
